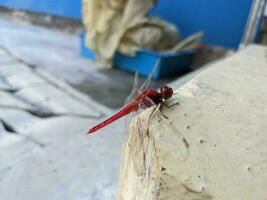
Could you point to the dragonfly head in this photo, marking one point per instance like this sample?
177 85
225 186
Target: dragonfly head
166 92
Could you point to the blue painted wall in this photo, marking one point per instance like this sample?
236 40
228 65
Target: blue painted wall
66 8
223 21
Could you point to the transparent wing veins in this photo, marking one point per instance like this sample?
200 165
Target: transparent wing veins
147 81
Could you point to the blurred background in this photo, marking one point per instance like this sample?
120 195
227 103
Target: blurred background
66 65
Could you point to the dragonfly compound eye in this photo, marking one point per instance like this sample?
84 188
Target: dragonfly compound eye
166 92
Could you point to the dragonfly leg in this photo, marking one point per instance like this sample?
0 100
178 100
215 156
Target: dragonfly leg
149 117
170 106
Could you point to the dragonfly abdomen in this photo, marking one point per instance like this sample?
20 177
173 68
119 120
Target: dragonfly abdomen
124 111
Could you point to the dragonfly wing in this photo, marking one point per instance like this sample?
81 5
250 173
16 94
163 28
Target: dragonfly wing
134 91
178 147
131 96
140 143
128 120
148 80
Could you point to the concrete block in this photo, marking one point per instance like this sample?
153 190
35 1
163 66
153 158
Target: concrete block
9 100
51 99
6 59
222 116
69 165
74 93
20 120
4 85
24 80
9 70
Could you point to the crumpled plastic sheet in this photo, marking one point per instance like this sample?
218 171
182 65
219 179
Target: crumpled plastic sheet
124 26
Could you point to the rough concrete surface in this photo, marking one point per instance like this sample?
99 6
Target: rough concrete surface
210 146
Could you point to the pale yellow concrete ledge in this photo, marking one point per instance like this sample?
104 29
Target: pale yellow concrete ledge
214 144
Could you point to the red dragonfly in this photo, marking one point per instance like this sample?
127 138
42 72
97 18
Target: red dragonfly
147 98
